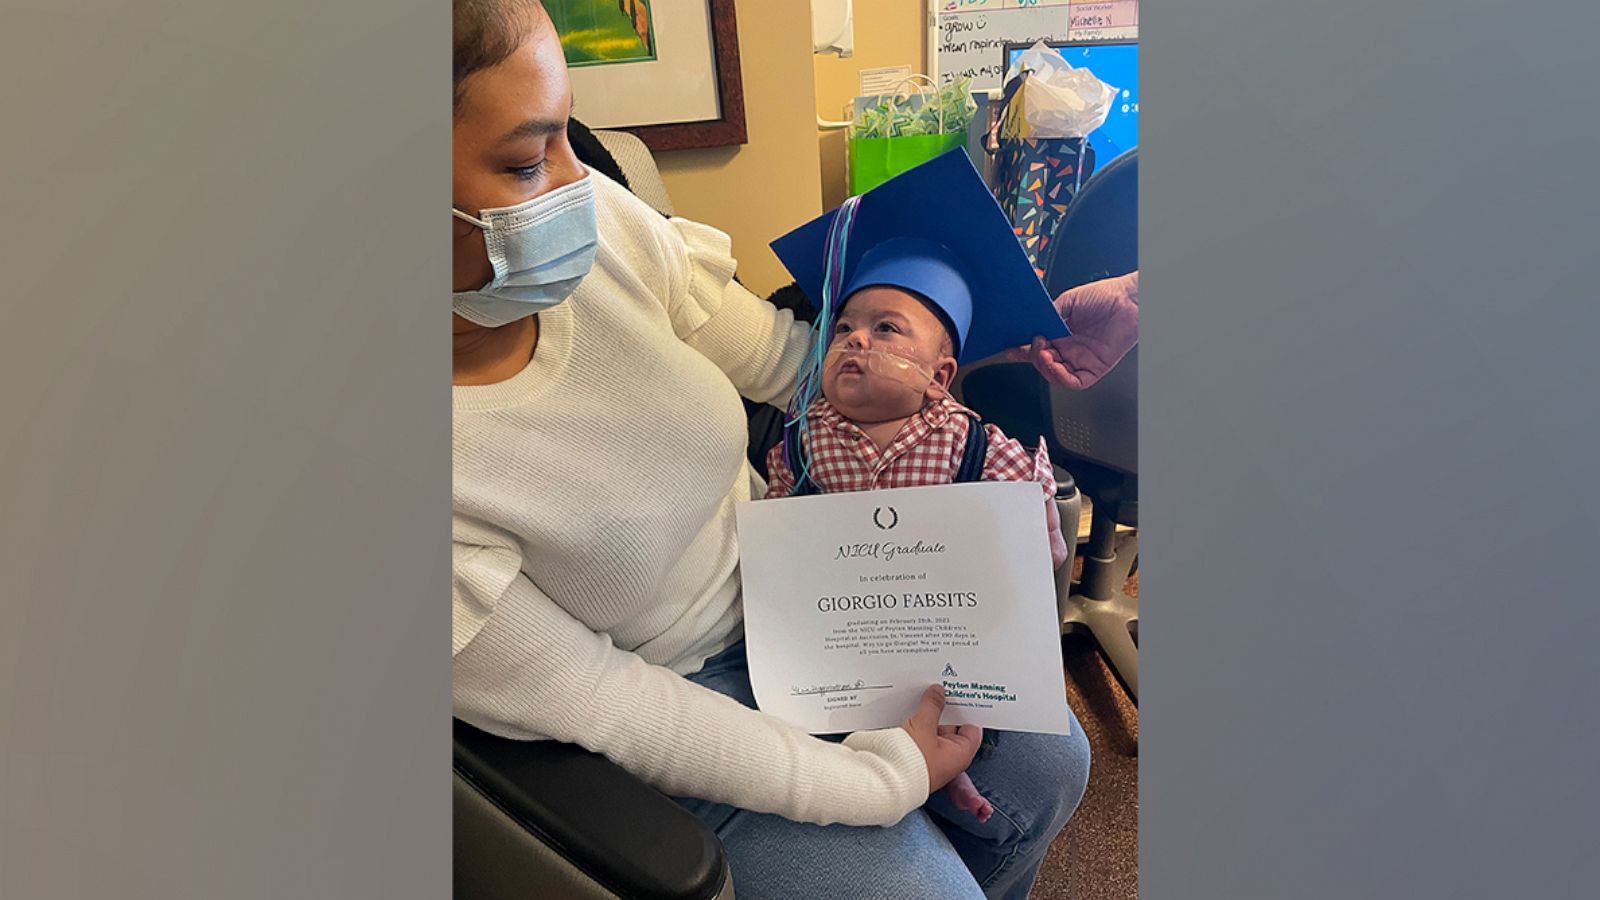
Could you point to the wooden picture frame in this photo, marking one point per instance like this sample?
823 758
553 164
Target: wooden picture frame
729 129
700 76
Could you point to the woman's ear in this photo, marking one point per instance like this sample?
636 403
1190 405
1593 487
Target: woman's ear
944 372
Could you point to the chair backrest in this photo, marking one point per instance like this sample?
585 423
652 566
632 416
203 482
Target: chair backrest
637 163
1008 395
1099 235
1099 238
1100 425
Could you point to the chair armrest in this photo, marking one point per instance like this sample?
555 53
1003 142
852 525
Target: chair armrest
614 830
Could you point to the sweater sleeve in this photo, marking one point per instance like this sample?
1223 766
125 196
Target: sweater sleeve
758 346
532 670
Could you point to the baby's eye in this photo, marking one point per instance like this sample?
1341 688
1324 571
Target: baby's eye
888 326
842 328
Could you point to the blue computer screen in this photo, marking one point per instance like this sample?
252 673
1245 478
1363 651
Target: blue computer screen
1116 64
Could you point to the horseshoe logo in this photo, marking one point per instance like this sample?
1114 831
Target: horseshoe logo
877 517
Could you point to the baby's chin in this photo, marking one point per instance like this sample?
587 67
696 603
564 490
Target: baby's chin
860 401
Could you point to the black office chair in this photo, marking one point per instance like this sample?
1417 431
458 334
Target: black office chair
1092 434
1095 433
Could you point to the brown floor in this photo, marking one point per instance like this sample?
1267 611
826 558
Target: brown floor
1097 856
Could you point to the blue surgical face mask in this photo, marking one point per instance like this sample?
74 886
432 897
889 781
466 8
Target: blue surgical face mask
540 250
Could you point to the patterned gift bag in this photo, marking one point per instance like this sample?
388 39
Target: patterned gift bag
1036 179
1040 138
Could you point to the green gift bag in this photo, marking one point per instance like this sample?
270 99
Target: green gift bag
876 160
893 133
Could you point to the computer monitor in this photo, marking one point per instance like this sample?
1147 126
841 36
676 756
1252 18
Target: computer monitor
1116 62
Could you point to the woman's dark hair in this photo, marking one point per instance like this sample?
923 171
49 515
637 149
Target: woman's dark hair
488 31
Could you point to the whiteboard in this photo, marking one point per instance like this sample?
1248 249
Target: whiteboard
968 37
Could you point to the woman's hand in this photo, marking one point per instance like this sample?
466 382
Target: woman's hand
947 749
1103 317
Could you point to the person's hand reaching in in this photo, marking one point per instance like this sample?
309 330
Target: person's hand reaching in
1103 317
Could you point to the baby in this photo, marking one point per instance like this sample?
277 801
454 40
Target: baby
911 309
886 418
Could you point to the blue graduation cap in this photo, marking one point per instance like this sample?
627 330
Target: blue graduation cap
934 230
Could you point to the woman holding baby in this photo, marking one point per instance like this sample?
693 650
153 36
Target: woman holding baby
600 352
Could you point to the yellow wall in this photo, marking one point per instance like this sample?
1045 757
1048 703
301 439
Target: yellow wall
771 184
787 173
887 33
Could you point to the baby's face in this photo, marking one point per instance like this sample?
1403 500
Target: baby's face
893 321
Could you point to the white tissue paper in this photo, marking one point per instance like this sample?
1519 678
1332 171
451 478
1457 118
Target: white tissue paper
1058 101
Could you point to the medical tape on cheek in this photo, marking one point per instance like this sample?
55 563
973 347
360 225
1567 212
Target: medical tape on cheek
905 372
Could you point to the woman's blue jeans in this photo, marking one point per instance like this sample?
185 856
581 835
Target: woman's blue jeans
1034 781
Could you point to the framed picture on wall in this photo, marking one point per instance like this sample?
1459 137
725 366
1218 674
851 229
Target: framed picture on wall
665 70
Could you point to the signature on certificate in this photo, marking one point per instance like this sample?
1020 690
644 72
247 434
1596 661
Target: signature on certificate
836 688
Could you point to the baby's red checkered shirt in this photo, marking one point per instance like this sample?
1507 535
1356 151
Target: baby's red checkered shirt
926 451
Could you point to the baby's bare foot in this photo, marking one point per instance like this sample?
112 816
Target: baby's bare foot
964 794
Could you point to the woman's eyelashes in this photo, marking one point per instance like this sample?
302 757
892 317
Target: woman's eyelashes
529 173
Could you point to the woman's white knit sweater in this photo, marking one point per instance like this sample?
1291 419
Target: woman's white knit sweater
594 551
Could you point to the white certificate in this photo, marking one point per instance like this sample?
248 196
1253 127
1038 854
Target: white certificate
856 602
